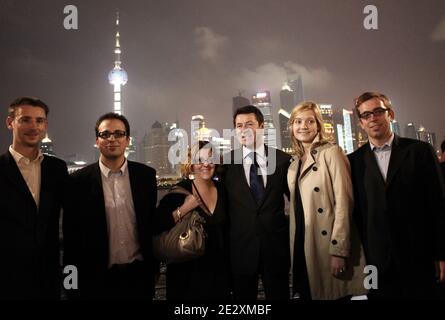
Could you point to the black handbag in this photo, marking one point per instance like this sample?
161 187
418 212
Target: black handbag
186 240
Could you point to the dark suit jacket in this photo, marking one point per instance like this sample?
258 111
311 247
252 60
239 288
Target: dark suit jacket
29 236
442 166
258 233
85 225
402 221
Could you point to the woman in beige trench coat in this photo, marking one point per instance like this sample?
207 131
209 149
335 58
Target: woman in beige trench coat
326 254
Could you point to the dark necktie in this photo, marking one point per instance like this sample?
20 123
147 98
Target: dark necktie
256 179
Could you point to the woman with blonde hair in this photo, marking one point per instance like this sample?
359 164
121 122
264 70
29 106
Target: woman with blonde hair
326 256
206 277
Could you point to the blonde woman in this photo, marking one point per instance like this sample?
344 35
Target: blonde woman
206 277
326 256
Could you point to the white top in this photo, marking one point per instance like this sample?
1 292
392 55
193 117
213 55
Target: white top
31 171
121 218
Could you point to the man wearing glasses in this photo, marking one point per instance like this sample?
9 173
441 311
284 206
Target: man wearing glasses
107 225
31 186
399 205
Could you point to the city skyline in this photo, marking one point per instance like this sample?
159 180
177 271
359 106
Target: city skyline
188 58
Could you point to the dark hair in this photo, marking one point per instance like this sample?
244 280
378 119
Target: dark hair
26 101
249 109
442 146
113 116
371 95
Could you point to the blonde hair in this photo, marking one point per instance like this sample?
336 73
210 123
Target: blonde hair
193 157
302 107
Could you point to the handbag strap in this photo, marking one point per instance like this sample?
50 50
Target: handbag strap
181 190
207 211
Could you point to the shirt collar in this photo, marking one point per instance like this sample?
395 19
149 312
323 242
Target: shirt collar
387 143
107 171
18 157
260 151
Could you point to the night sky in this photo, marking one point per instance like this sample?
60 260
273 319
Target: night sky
187 57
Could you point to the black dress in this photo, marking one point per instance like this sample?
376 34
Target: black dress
207 277
300 280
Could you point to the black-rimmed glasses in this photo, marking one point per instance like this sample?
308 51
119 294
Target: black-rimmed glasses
116 134
377 112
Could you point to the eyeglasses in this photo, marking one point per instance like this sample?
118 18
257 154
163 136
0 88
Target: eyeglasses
29 120
376 113
116 134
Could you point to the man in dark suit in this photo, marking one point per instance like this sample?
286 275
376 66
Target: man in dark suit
31 186
108 224
399 205
256 182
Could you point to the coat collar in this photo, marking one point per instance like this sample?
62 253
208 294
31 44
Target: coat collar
316 147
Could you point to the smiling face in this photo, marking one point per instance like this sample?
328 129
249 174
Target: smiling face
112 148
304 127
28 126
246 126
376 125
203 167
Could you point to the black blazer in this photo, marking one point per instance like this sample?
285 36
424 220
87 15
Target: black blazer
85 225
257 231
29 236
402 220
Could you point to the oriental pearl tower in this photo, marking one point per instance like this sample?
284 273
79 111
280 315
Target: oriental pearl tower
118 76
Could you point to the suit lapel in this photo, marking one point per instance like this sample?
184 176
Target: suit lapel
398 153
371 166
135 192
12 172
45 182
96 192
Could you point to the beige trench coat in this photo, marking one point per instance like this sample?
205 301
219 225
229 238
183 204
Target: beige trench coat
327 198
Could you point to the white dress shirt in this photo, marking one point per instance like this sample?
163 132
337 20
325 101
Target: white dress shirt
121 218
383 155
261 160
31 171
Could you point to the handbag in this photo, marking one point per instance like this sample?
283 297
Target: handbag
186 240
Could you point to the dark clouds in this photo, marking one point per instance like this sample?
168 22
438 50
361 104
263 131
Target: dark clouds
191 57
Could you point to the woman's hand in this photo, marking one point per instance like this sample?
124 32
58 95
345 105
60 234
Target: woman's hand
338 266
190 203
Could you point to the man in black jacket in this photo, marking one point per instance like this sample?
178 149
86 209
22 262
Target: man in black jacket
31 189
107 226
258 233
399 205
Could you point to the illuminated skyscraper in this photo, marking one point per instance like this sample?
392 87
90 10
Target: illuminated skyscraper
286 143
47 146
410 131
327 115
395 127
118 76
348 132
297 88
263 102
287 103
239 101
426 136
